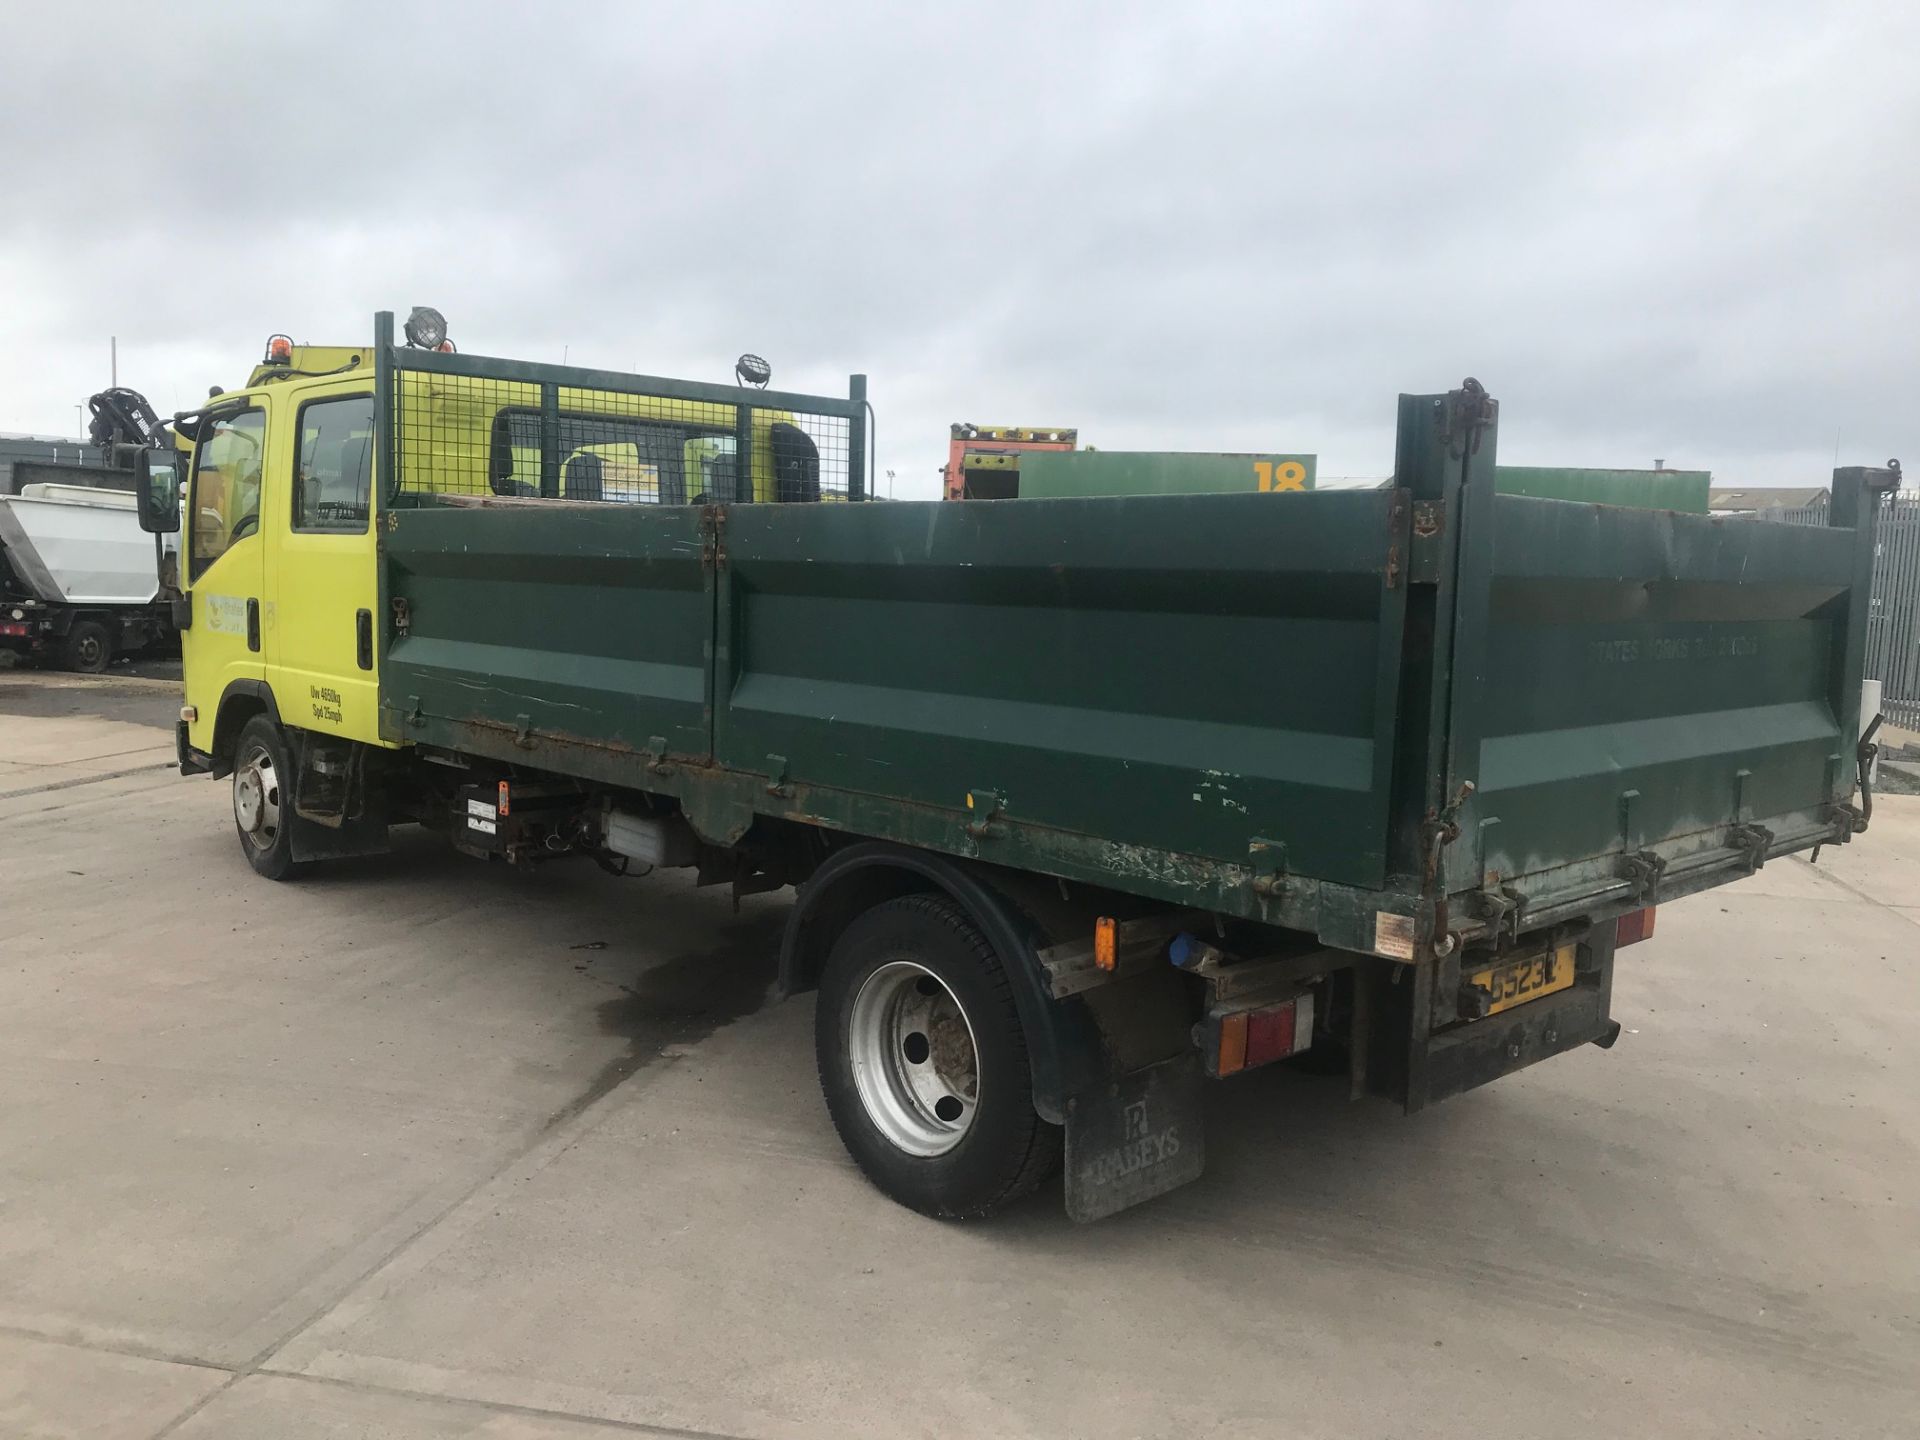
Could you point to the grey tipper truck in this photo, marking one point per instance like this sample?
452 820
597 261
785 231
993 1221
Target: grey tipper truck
80 583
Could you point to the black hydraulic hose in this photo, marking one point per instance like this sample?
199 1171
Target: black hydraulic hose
1864 757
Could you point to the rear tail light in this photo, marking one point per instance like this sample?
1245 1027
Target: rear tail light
1633 927
1242 1039
1274 1034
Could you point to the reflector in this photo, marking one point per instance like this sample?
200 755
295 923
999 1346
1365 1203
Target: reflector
1633 927
1233 1045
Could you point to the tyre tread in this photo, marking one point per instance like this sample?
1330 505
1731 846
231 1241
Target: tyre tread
278 863
1036 1151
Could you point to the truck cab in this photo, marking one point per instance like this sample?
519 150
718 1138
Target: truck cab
277 558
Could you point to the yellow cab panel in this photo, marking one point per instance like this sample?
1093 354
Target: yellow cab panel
321 575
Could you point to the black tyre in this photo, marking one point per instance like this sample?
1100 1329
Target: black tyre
924 1062
88 647
263 798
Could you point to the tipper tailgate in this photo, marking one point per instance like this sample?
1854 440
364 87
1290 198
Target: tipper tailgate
1646 683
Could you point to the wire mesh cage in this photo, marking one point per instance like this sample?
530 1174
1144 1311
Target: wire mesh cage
474 427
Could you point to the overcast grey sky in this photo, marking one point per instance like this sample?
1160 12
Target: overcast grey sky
1685 230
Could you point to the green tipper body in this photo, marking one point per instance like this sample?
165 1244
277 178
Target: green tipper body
1378 716
1077 473
1682 490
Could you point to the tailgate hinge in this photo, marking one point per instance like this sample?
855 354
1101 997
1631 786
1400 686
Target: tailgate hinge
1756 840
1498 905
1644 868
713 541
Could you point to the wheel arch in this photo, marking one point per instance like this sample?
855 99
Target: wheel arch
1062 1042
239 703
72 615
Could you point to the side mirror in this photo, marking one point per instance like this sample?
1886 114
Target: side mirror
156 490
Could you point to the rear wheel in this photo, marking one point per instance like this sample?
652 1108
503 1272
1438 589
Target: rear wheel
924 1062
88 648
263 798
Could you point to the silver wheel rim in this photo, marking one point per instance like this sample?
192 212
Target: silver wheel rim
914 1061
88 650
256 798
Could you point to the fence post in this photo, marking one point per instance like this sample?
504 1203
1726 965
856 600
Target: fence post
857 438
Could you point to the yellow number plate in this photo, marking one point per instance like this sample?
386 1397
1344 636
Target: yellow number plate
1518 981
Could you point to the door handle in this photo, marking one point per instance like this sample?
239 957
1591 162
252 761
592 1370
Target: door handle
363 639
253 623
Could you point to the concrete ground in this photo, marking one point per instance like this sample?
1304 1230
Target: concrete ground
421 1149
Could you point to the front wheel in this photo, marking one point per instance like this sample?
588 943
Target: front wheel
263 798
924 1062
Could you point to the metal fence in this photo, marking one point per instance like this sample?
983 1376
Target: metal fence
1893 618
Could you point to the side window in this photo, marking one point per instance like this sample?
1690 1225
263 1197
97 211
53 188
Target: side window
333 466
227 467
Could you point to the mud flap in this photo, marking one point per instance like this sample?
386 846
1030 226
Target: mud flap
362 835
1136 1138
336 813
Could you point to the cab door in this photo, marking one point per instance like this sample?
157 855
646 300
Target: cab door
225 561
321 580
